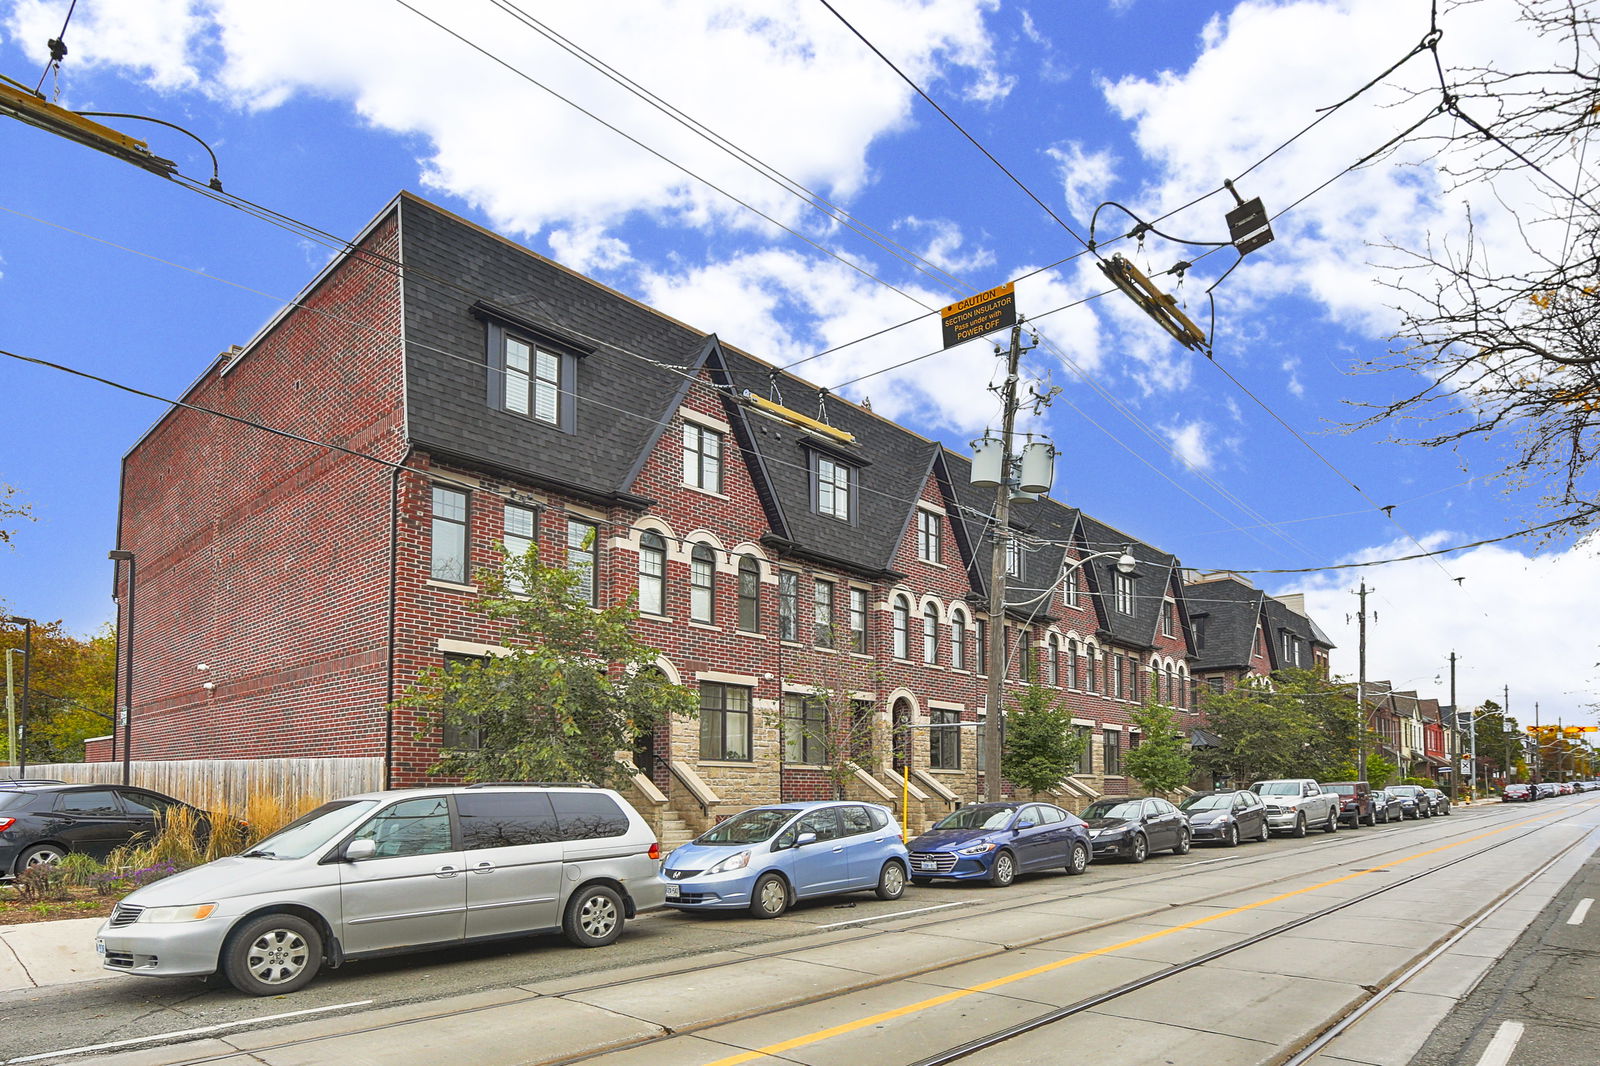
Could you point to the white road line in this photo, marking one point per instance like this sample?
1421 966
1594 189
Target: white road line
1498 1053
181 1033
886 917
1580 912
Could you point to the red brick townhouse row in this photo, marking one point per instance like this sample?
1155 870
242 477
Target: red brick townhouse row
509 401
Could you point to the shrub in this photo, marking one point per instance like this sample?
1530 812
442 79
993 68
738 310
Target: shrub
79 868
45 883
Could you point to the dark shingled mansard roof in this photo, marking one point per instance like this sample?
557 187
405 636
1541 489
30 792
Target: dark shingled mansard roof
1227 610
634 366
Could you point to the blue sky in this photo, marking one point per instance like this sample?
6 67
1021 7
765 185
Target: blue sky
323 112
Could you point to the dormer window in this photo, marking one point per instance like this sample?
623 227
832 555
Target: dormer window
1123 584
533 380
1013 558
835 487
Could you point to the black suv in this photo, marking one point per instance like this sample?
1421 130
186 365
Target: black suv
41 823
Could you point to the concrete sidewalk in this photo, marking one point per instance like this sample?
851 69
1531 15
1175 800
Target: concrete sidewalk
49 953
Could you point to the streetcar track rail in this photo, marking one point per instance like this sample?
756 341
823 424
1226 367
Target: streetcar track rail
1375 864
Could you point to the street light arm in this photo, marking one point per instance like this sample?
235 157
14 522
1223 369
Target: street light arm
1073 567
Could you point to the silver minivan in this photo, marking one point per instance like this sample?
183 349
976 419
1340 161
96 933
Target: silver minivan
395 871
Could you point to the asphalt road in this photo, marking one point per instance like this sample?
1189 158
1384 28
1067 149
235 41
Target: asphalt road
43 1022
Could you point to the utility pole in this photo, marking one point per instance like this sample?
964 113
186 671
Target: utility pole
1538 747
1455 732
27 696
1361 686
1505 716
997 575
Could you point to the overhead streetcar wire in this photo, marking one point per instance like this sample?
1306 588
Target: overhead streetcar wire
663 157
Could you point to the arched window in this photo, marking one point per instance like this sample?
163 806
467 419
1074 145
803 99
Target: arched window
1184 697
652 574
1072 662
749 594
902 628
1025 655
1052 661
702 575
930 634
1172 692
958 640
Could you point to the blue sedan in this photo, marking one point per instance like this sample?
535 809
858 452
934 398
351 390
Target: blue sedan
765 859
997 841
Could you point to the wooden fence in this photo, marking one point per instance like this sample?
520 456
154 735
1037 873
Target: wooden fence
226 783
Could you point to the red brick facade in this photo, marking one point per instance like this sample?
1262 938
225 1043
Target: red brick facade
300 578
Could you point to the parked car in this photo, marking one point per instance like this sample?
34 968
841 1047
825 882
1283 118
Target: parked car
1566 788
1356 806
766 858
1545 789
1133 828
41 822
1295 804
1414 803
1515 793
382 872
1226 817
1441 802
1387 807
997 841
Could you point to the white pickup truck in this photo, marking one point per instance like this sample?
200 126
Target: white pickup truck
1295 804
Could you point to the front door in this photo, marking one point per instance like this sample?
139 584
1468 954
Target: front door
412 890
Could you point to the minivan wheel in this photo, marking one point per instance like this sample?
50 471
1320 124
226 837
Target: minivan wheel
1078 861
594 916
770 898
272 955
891 881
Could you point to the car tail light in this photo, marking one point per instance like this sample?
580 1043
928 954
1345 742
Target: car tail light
7 823
655 849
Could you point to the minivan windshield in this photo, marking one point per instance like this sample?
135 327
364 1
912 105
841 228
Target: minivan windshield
311 831
749 827
983 816
1219 802
1276 788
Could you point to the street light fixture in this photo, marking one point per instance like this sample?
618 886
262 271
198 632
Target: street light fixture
123 556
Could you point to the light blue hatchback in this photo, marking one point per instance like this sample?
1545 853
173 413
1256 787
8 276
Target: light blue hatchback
766 858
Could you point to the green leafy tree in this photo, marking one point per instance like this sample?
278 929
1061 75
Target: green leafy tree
1336 727
575 688
829 727
1380 771
72 689
1041 744
1261 734
1161 762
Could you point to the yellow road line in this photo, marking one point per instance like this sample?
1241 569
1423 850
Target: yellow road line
1000 982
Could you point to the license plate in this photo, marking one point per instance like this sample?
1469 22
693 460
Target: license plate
672 891
927 866
100 946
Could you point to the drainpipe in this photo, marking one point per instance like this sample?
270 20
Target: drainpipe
394 568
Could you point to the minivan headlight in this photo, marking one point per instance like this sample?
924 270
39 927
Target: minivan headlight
731 863
192 913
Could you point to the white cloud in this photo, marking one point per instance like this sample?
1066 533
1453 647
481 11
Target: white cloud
1291 367
1085 176
1190 440
1511 622
810 99
1263 72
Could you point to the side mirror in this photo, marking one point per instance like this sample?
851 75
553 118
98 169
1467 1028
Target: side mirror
357 850
805 838
1024 824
